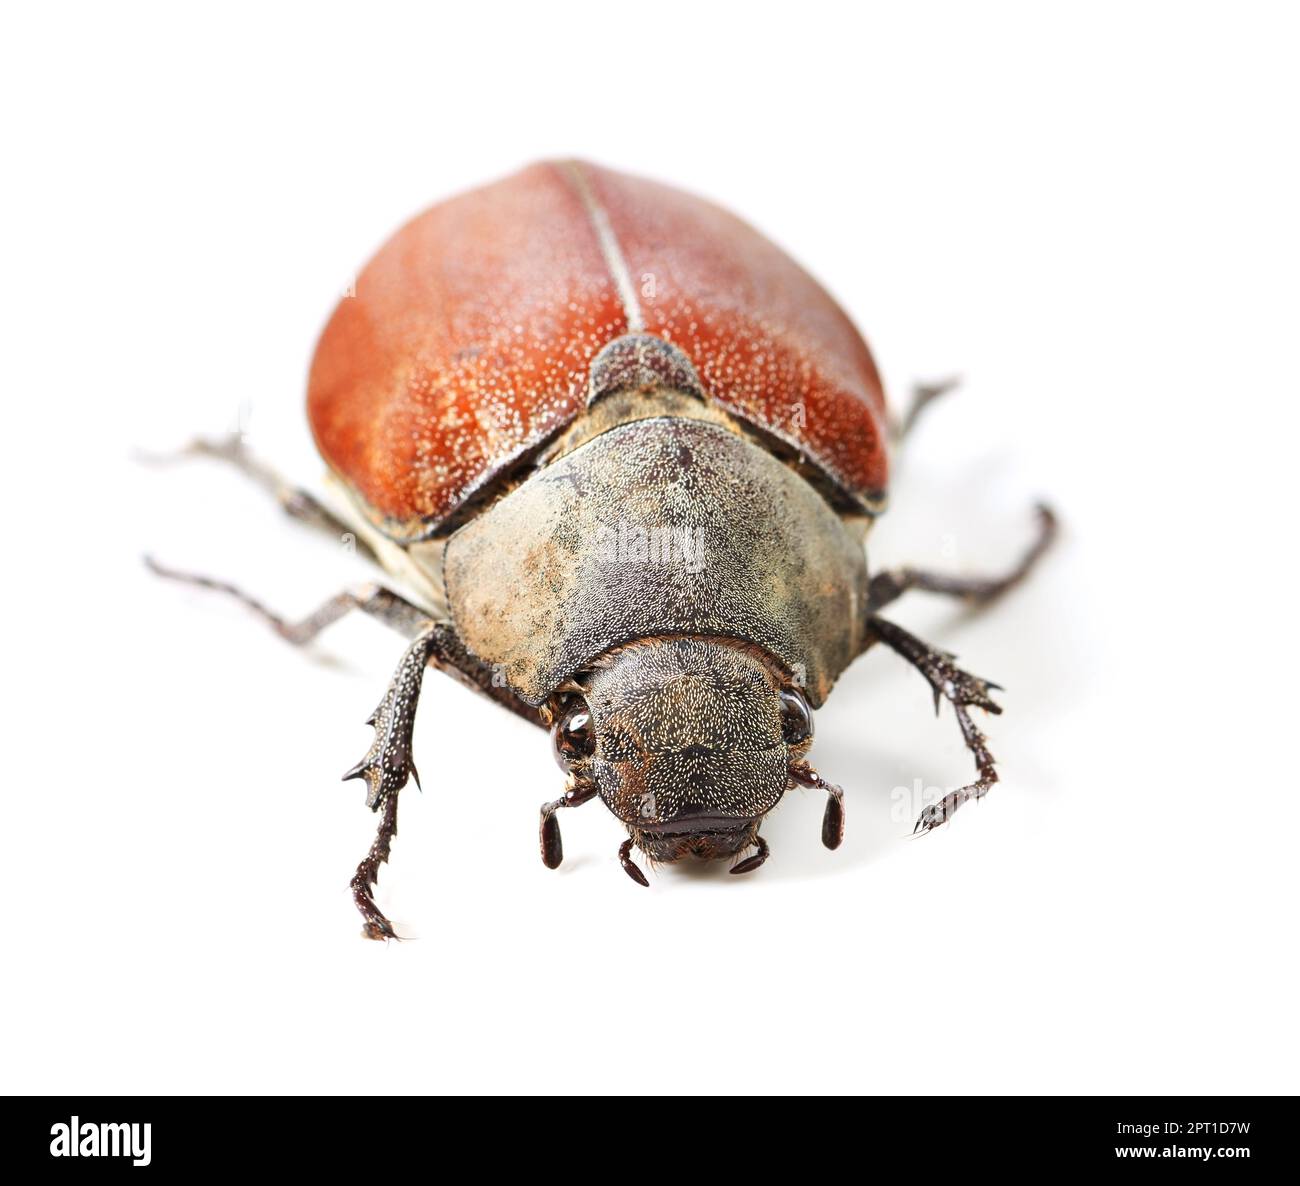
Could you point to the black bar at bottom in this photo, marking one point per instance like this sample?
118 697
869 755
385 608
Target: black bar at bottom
653 1136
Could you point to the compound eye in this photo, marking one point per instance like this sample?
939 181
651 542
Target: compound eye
574 734
796 717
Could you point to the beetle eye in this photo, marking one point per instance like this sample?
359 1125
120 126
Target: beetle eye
796 717
574 734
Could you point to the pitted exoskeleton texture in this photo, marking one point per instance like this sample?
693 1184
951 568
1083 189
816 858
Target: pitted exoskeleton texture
686 729
658 527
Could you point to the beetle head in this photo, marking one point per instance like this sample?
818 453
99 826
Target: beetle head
687 740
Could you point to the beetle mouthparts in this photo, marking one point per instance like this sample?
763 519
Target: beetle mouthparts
703 837
697 824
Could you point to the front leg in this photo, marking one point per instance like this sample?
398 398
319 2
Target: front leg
963 691
388 764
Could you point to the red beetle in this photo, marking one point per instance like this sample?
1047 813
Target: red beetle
624 453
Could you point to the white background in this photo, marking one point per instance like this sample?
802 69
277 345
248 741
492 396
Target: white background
1090 212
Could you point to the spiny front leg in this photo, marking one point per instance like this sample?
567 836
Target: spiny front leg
962 690
386 768
375 926
388 764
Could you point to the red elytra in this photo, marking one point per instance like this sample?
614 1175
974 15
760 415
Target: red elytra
469 340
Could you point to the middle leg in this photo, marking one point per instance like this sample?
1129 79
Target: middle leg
383 605
888 586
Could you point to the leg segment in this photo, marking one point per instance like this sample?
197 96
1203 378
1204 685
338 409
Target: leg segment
749 864
389 763
922 395
385 606
889 586
375 925
833 817
371 599
387 766
630 867
963 691
549 831
296 502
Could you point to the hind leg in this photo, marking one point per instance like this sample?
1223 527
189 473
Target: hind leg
294 501
923 394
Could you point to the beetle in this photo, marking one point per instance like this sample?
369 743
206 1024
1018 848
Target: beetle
624 454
